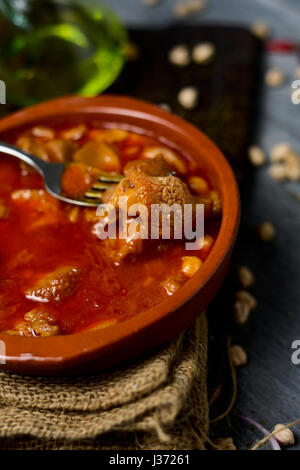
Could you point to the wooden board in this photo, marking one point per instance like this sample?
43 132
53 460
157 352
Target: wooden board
227 85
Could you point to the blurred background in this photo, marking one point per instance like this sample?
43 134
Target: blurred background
243 79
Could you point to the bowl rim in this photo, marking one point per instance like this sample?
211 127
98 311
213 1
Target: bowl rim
59 350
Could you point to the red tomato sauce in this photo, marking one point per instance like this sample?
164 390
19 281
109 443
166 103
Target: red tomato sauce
36 239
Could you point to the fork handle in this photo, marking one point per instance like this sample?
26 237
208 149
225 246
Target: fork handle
26 157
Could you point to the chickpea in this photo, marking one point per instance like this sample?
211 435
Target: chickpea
238 355
31 145
199 243
198 185
171 157
216 202
74 214
203 52
260 29
245 276
244 297
171 286
266 231
104 324
59 150
43 132
190 265
284 435
208 242
131 150
205 243
74 133
114 135
179 55
241 312
278 172
275 77
188 97
108 135
256 156
279 152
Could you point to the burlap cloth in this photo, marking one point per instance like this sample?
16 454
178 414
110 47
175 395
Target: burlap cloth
158 403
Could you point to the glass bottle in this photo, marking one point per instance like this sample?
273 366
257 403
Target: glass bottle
58 47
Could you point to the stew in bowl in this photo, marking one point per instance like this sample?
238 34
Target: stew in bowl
57 276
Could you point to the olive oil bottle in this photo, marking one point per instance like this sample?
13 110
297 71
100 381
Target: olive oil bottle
50 48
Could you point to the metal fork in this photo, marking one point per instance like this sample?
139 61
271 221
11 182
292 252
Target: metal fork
52 173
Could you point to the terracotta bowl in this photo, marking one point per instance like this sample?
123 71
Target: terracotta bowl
94 350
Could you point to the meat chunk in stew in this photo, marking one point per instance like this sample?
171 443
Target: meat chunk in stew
42 323
150 182
41 208
36 323
77 179
118 249
56 286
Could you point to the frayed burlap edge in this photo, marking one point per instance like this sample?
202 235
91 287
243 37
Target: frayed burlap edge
159 403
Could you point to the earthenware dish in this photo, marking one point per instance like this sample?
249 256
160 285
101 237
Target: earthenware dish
94 350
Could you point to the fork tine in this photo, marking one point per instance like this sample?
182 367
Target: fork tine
109 178
93 195
101 186
105 180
